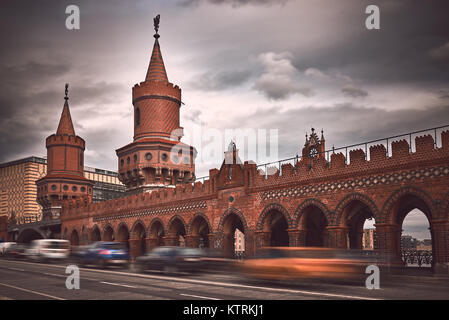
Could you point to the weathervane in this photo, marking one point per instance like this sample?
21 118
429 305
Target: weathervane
156 25
66 91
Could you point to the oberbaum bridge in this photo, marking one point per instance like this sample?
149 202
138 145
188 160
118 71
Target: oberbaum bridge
321 198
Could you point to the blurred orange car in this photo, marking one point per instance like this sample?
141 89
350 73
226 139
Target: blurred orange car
288 263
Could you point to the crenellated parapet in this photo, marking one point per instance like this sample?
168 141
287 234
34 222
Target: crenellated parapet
156 89
56 139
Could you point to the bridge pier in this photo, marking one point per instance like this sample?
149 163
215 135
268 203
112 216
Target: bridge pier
440 237
337 237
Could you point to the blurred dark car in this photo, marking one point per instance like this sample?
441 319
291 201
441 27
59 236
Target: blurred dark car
215 261
102 254
171 260
16 251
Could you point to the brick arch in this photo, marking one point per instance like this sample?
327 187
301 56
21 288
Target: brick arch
172 219
106 226
356 196
91 231
202 215
388 216
74 229
310 203
152 222
271 207
134 226
229 211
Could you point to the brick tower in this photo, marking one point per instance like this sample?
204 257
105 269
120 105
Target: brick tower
156 158
65 168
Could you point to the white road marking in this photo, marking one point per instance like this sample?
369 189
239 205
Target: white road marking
54 275
118 284
16 269
31 291
201 297
222 284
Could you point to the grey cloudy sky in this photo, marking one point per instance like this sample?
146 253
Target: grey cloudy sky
282 64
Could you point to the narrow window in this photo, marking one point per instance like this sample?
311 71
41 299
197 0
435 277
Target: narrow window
137 116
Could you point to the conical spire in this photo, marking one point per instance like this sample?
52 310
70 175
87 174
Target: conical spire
65 123
156 69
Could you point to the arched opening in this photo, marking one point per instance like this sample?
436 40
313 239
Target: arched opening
178 232
108 234
230 224
414 242
84 236
74 238
313 223
276 225
157 234
123 235
354 217
200 231
28 235
95 235
140 236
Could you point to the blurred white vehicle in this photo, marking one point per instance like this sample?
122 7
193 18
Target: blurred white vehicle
4 246
48 249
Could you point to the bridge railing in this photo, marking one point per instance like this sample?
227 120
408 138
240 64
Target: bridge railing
272 167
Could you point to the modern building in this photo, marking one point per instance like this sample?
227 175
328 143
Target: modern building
408 242
18 189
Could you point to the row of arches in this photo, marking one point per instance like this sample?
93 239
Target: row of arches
312 224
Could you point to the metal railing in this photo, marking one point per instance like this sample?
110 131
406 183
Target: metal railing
346 149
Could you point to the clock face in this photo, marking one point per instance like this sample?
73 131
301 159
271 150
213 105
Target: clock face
313 152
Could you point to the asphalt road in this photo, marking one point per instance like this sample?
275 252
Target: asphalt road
23 280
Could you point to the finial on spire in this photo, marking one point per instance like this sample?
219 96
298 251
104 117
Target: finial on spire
66 92
156 25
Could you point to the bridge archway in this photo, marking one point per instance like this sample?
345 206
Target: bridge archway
177 231
156 233
95 234
351 215
123 234
274 222
199 231
28 235
312 223
138 236
231 221
397 208
108 233
74 238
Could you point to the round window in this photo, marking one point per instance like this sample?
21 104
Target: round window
66 187
164 157
148 156
53 187
83 189
74 189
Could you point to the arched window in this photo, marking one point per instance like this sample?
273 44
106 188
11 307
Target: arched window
137 116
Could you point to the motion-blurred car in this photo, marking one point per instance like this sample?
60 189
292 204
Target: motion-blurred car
103 254
215 261
16 251
171 260
4 246
48 250
288 263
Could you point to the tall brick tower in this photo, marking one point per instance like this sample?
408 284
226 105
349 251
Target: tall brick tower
156 158
65 167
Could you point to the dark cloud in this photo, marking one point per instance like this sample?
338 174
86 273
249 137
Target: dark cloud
354 92
216 81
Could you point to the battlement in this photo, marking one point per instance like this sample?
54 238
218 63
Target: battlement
55 139
156 88
303 171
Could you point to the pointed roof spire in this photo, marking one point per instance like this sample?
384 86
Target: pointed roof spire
156 69
65 123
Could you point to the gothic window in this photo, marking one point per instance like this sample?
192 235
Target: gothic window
137 116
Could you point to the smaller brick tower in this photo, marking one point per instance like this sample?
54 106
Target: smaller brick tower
156 158
65 168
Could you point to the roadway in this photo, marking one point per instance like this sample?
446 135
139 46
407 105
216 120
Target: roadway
24 280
